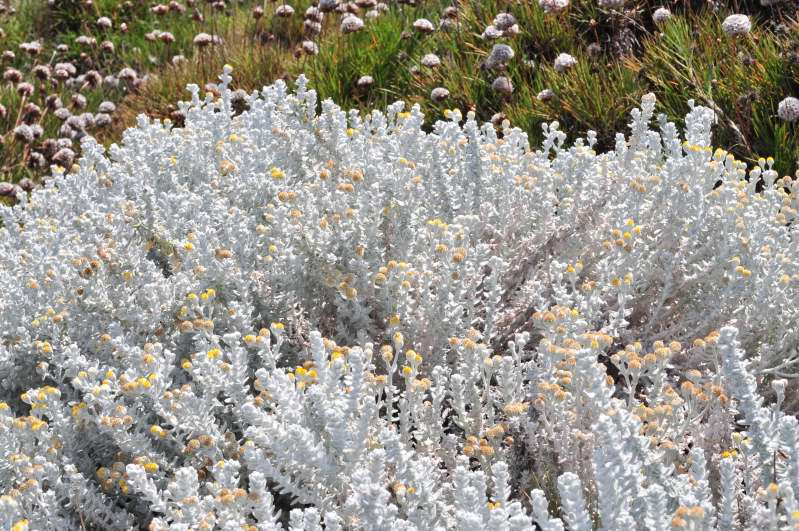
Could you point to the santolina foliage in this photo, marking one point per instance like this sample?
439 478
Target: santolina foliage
327 320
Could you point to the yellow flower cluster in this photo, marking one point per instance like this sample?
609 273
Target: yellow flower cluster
114 476
304 375
475 447
687 516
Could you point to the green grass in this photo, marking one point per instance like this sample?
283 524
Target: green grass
694 59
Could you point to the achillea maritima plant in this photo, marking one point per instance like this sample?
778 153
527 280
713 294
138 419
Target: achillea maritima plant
281 316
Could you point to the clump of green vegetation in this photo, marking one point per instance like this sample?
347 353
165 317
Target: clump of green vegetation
582 63
68 67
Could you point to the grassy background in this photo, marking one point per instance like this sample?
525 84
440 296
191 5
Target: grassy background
621 55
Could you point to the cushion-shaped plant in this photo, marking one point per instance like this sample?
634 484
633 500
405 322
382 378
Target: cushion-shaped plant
290 317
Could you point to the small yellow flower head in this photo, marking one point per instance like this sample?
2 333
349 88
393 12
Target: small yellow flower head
407 371
515 408
188 246
227 167
214 353
399 340
277 174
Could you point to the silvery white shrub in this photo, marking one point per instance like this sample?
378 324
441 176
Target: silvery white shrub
304 319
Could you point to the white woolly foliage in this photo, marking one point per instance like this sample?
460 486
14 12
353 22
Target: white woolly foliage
288 318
